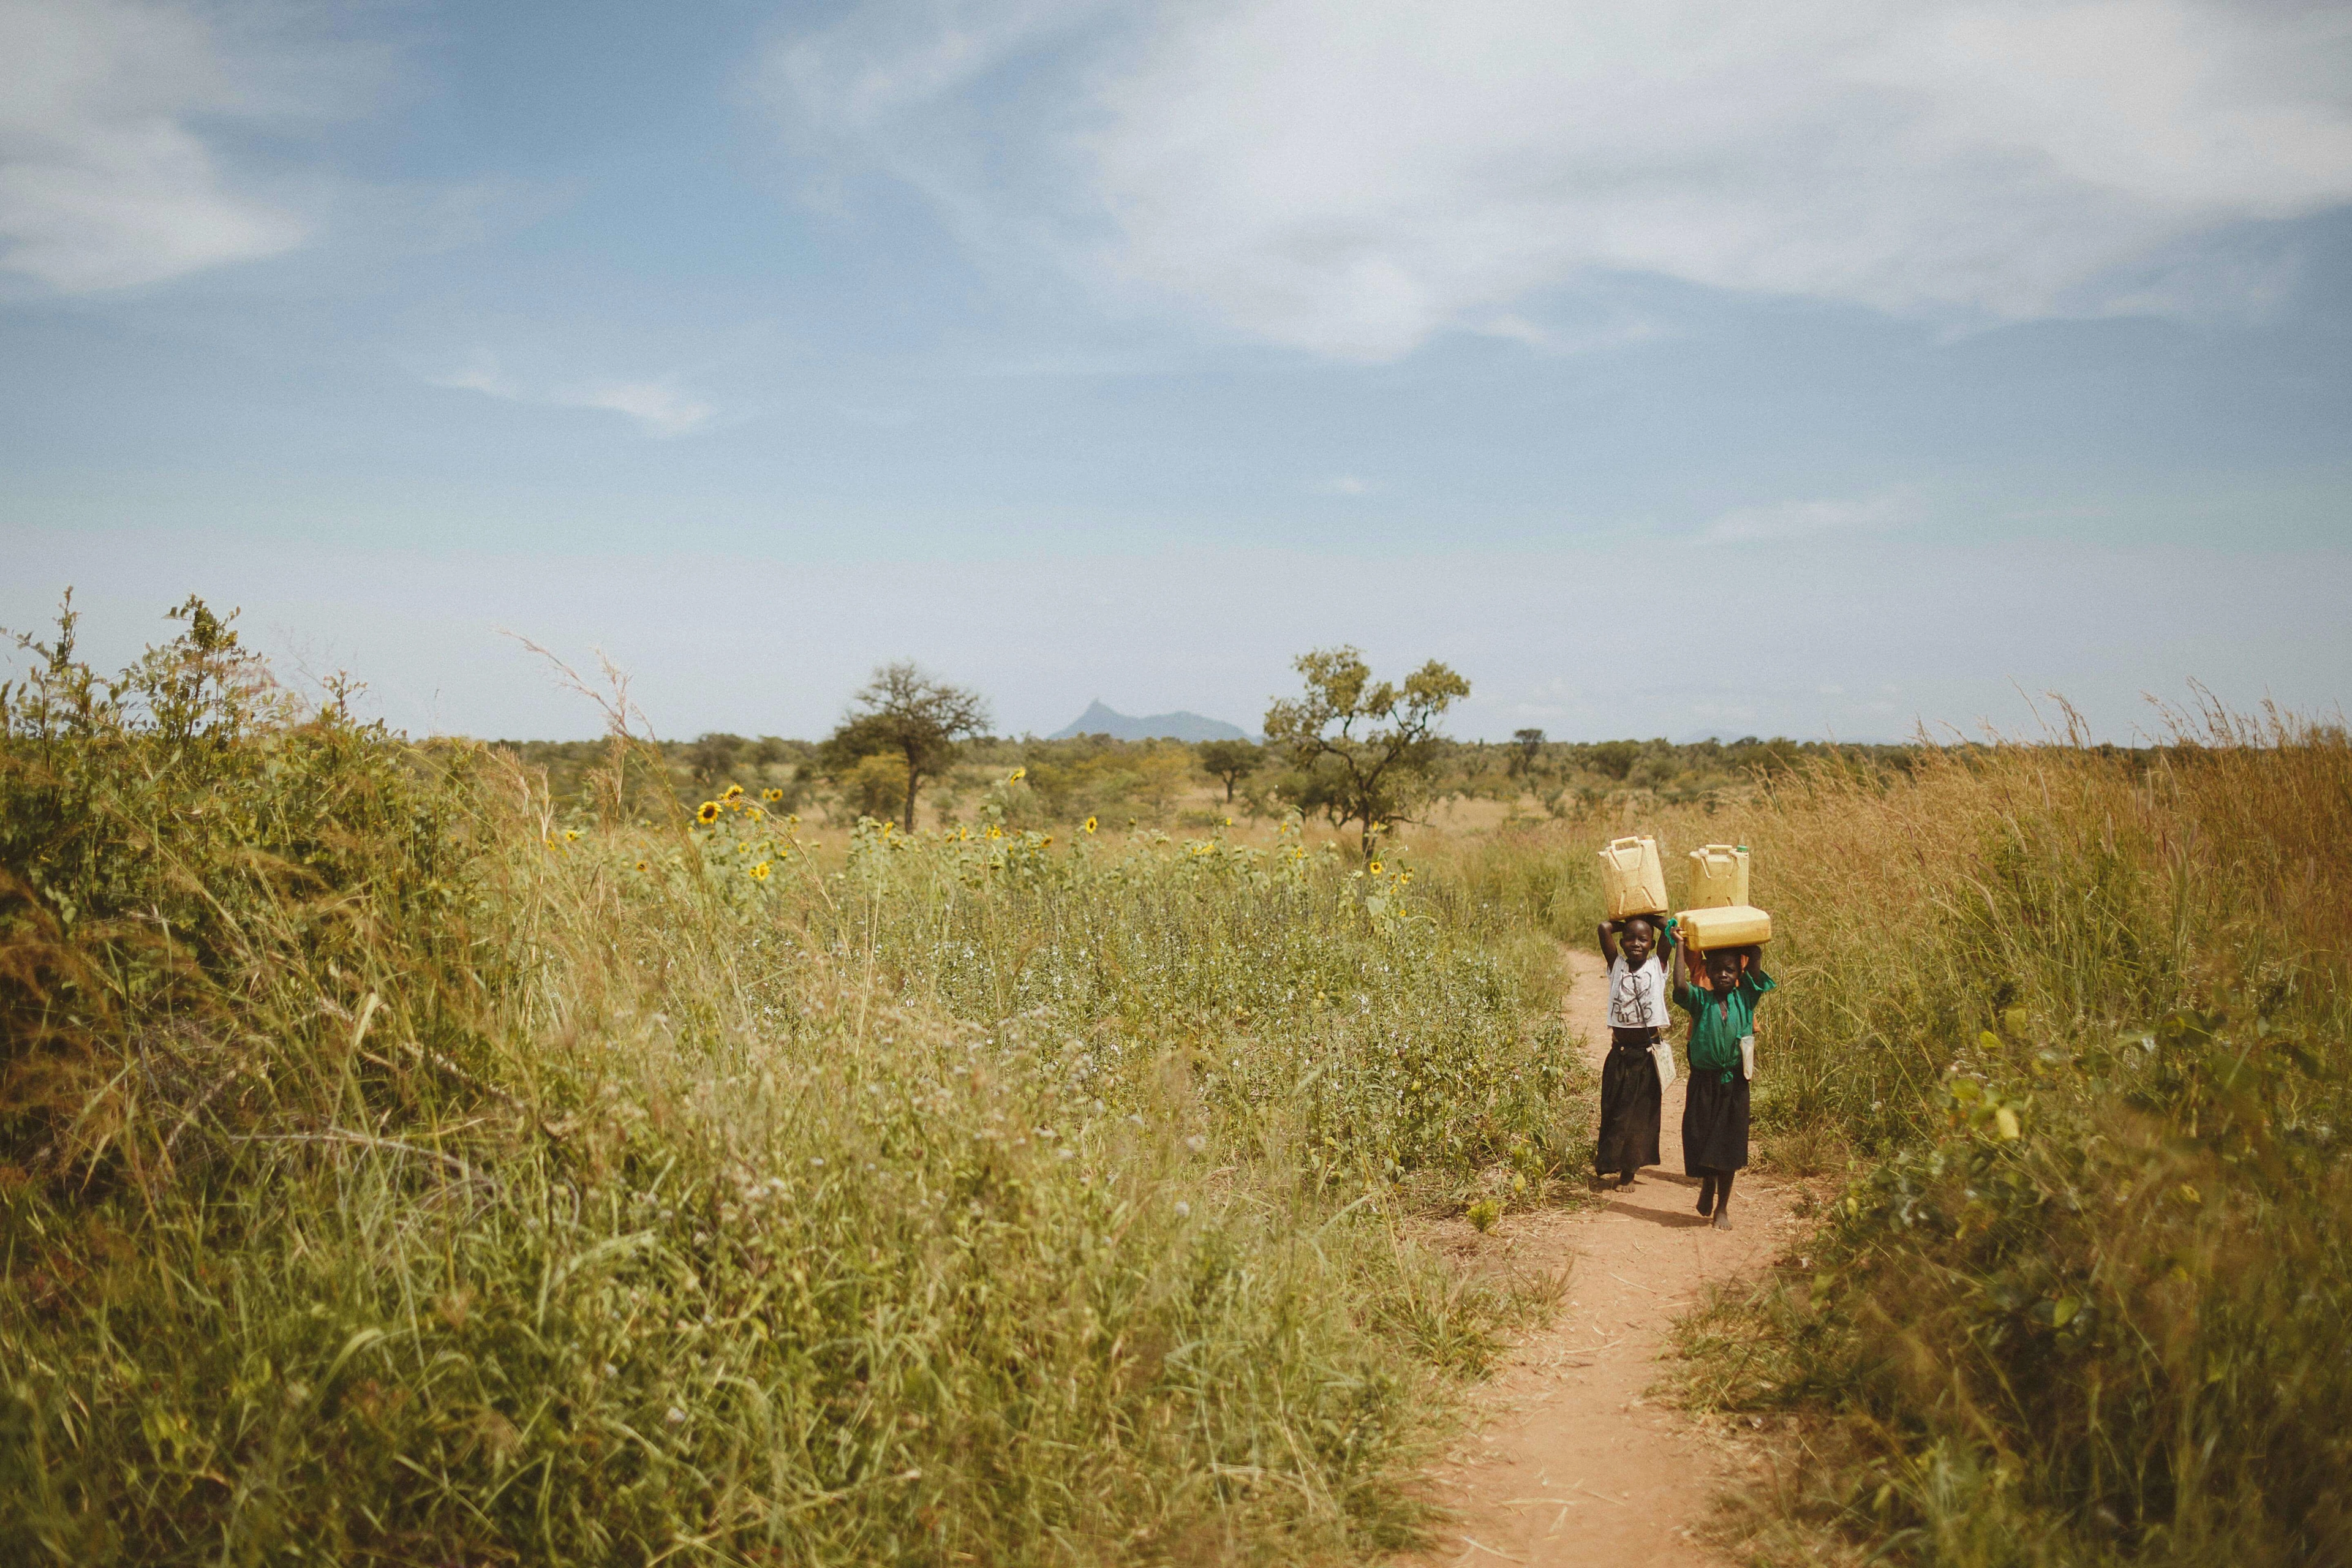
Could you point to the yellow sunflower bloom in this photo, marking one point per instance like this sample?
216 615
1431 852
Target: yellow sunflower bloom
1090 824
1017 776
572 836
755 814
760 872
732 791
1376 868
706 813
772 796
642 866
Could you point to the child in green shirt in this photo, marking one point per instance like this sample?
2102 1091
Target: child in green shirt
1715 1104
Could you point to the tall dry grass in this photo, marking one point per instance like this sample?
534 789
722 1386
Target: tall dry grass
2078 1015
399 1169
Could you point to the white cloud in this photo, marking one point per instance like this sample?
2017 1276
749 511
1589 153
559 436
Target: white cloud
660 407
1808 519
1351 176
109 173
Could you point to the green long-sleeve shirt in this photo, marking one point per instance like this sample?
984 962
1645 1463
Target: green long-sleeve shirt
1719 1023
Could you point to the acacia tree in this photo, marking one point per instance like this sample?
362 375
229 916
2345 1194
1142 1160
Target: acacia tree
903 712
1363 749
1230 761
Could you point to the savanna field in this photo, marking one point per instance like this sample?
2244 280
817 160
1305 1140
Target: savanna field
429 1152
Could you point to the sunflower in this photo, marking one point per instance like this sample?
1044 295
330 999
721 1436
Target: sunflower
1090 824
706 813
1376 868
1017 776
644 865
760 872
771 796
755 814
572 836
732 791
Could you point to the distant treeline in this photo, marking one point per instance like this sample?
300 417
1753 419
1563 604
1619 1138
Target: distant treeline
1157 782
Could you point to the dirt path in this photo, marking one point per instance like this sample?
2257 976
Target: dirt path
1568 1462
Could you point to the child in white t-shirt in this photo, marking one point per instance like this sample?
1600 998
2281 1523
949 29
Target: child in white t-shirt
1638 1019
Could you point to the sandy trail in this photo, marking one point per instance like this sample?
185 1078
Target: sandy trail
1568 1462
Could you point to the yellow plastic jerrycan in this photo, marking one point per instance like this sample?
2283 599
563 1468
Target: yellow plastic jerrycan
1632 878
1724 925
1718 876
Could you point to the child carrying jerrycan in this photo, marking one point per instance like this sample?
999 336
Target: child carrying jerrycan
1724 934
1640 1063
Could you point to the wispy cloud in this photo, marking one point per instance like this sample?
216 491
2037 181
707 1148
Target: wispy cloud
1351 176
112 174
660 407
1807 519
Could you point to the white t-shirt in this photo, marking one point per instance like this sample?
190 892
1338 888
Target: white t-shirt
1637 997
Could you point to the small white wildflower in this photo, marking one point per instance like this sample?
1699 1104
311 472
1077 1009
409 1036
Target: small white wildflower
1196 1142
612 1370
676 1417
1183 1209
817 1159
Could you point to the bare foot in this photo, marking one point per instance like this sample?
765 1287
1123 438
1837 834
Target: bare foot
1723 1220
1707 1200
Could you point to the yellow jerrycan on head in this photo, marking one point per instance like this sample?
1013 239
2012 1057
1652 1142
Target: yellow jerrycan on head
1718 876
1724 925
1720 914
1632 878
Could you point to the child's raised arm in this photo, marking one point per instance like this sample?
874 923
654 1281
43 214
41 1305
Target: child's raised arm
1607 943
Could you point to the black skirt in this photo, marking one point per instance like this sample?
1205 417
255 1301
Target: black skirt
1629 1111
1715 1122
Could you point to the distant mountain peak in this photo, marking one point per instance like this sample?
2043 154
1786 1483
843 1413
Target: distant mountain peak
1101 720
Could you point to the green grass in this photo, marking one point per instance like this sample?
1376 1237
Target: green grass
399 1169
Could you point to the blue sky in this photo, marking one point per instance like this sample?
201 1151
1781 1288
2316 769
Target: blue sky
1818 368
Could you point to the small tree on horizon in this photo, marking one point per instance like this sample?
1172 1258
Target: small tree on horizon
1527 743
903 714
1363 749
1231 761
